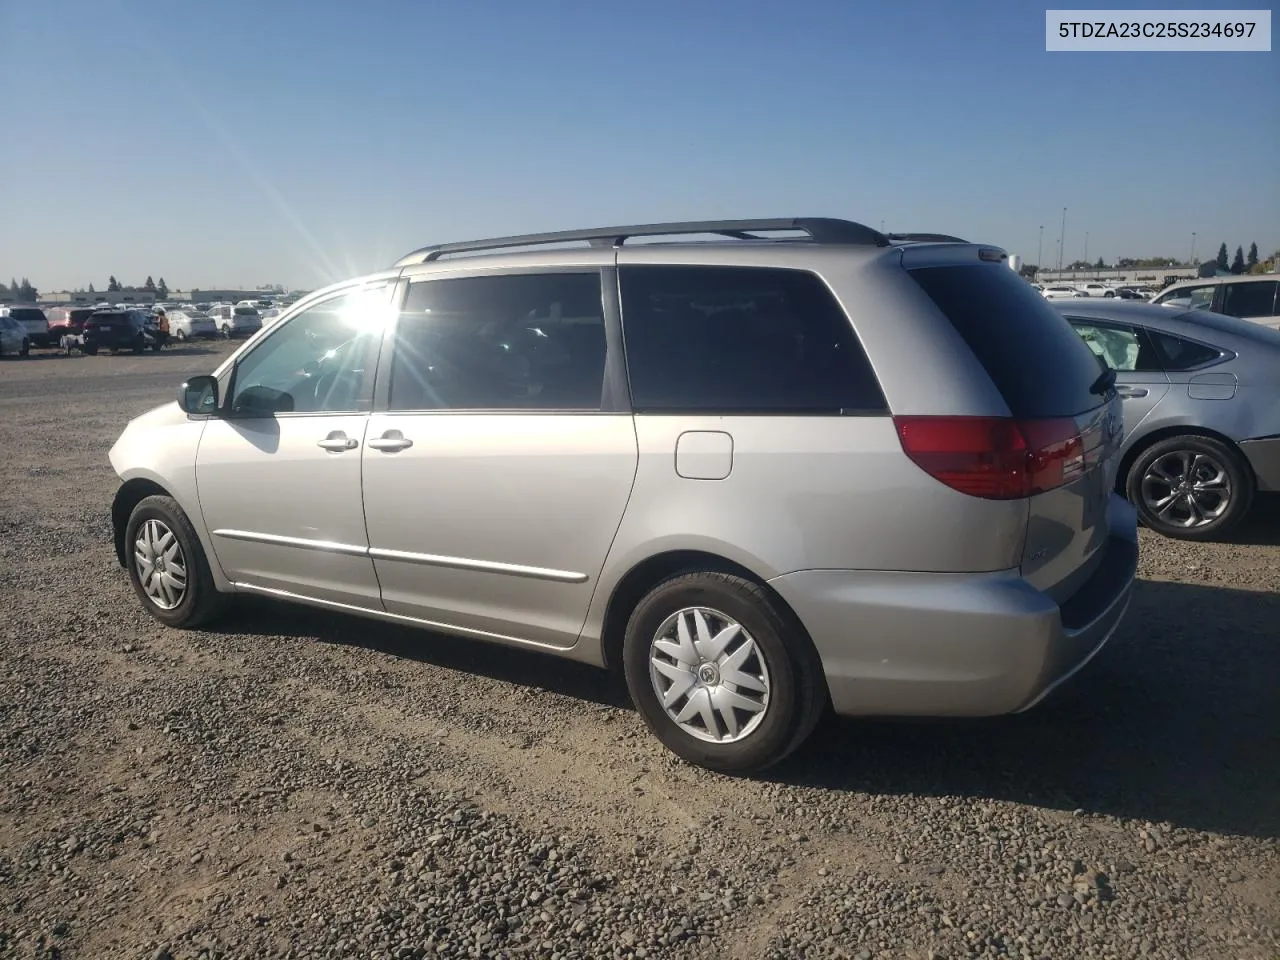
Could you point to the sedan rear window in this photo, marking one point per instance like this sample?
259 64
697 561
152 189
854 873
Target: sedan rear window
245 312
1033 356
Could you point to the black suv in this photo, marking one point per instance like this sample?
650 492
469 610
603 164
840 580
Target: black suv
120 330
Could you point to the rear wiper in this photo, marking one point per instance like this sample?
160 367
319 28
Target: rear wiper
1106 380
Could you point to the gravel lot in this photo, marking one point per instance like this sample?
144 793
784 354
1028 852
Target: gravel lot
298 784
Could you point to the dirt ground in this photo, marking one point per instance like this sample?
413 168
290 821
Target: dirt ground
291 783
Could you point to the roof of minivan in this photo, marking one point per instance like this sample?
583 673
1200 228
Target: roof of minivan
1233 278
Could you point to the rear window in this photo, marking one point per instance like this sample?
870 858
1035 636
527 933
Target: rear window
78 316
246 312
1033 356
27 315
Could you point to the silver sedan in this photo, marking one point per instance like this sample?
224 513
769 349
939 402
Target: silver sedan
1201 410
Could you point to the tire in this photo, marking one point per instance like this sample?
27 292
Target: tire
180 336
155 347
226 331
139 347
90 350
771 648
1223 478
153 522
25 349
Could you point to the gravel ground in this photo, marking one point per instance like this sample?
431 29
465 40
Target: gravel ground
298 784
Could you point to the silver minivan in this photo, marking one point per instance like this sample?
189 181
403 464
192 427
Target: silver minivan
801 464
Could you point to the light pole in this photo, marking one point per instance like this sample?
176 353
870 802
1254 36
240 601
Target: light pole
1086 248
1062 239
1191 262
1040 250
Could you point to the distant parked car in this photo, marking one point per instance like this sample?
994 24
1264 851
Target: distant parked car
1092 289
33 321
120 330
192 325
1201 410
1250 298
1131 293
236 321
1060 292
64 320
13 338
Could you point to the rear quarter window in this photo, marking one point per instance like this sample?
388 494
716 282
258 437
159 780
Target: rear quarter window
741 340
1036 360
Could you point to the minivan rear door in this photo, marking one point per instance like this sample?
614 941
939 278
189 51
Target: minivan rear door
1055 388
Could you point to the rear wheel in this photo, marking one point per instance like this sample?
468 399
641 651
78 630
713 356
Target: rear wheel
721 673
226 330
1190 487
90 349
167 565
180 335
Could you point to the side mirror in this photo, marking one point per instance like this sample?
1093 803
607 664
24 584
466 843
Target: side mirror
199 396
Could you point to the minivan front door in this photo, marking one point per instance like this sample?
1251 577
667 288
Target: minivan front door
497 467
278 473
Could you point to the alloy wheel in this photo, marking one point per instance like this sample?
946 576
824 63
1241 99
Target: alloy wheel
709 674
1185 488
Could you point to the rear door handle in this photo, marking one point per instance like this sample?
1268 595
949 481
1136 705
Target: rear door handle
391 442
336 442
1127 391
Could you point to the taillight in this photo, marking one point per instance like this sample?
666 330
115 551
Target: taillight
996 458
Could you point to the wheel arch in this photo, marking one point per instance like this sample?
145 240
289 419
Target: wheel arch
131 493
1165 433
651 571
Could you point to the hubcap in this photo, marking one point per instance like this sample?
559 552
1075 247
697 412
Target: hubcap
1186 489
709 675
162 569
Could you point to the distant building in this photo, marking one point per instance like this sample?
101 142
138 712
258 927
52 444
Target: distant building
1134 275
126 295
230 296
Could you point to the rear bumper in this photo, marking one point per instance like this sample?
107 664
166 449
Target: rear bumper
931 644
1264 458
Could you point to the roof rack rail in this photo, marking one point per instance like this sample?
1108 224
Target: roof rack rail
924 238
822 230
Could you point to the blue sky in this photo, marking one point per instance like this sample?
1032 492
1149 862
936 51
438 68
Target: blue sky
250 142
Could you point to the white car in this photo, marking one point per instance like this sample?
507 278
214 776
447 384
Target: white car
1092 289
13 338
192 325
1061 293
237 321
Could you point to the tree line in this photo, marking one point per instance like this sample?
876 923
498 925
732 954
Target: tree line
23 292
160 289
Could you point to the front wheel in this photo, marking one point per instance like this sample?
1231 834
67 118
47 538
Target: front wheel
226 331
181 335
90 350
1190 487
721 672
25 349
167 565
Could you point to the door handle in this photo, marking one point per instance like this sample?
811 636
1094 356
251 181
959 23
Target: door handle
336 442
391 442
1127 391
